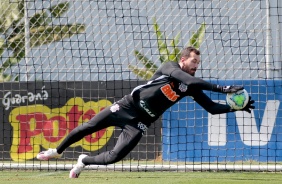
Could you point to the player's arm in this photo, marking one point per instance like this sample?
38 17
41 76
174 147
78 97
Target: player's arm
200 84
216 108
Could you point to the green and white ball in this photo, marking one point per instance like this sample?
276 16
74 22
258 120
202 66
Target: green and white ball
237 100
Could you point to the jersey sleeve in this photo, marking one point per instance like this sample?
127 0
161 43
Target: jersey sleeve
204 101
187 79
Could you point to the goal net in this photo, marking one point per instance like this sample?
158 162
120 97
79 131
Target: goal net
62 62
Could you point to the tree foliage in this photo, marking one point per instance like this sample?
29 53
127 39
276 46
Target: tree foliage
168 51
41 31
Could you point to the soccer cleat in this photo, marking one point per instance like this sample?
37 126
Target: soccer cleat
46 155
77 169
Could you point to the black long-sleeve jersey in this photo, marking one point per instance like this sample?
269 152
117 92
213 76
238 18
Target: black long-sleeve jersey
169 85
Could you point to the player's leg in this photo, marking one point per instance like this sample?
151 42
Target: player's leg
128 139
100 121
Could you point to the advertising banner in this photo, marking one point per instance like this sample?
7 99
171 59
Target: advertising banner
39 115
193 135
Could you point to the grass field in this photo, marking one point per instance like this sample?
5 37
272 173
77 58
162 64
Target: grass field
109 177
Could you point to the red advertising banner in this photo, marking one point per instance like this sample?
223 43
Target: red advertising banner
38 115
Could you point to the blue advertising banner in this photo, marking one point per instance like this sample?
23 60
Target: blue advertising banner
191 134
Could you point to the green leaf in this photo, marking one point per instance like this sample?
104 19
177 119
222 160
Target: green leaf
8 63
48 34
197 37
9 14
145 61
18 48
143 73
162 46
5 77
59 9
44 35
202 30
39 19
174 55
17 44
2 46
175 41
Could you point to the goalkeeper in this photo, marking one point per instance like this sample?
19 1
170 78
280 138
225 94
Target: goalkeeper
135 112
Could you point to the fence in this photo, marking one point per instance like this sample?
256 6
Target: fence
60 55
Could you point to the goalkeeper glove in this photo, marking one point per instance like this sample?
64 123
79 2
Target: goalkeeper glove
227 89
248 107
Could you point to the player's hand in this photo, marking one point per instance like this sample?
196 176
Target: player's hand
249 106
228 89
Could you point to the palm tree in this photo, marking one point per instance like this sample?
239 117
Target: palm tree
166 54
41 31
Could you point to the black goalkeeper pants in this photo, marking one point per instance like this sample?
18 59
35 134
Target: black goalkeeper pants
122 114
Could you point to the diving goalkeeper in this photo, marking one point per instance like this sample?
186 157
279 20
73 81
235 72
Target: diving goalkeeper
135 112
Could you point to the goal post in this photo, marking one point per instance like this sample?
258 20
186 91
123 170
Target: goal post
62 62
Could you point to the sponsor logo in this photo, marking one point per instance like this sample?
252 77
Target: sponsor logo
183 87
142 127
114 108
251 134
9 100
37 126
143 105
169 93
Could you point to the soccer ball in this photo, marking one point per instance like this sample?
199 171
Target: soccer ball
237 100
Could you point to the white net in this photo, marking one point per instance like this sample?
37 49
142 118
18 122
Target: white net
107 41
